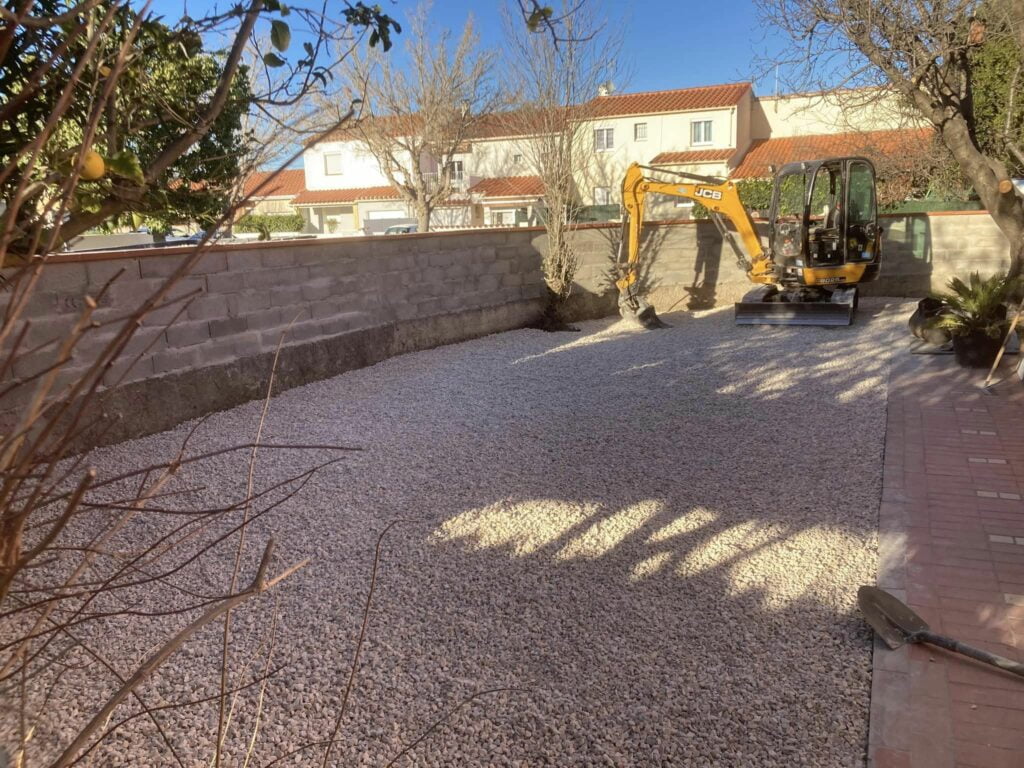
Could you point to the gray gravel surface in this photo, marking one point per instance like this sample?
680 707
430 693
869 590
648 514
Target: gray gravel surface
654 538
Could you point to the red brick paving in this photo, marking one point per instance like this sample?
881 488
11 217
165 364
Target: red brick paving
953 479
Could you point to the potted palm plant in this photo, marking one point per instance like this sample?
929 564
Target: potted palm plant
975 316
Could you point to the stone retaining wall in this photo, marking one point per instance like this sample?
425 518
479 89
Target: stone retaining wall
342 303
351 302
922 252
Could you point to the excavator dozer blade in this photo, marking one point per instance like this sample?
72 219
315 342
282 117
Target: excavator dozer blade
838 311
795 313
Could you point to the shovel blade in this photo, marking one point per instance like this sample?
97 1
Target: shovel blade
893 620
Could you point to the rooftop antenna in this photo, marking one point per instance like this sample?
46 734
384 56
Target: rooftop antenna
776 80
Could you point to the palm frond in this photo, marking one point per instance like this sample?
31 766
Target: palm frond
979 305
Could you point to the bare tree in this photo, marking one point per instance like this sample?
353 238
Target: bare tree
272 132
923 51
556 82
419 116
542 18
278 121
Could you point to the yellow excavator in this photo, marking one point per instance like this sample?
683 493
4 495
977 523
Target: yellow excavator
823 240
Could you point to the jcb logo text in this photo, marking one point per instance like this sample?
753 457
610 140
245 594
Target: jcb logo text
710 194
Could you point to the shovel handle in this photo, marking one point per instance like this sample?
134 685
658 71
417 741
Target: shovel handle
1002 347
927 636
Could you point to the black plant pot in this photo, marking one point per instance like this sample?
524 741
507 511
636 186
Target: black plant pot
976 349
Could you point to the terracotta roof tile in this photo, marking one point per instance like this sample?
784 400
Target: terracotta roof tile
523 123
395 125
509 186
519 122
288 182
679 100
193 186
694 156
870 144
341 196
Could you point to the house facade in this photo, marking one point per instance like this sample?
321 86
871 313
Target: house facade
272 195
720 131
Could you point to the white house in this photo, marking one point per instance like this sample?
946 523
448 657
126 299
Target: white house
718 130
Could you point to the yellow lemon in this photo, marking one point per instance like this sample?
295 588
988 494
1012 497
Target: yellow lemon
93 166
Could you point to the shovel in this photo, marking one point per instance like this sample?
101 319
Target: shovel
1002 349
896 624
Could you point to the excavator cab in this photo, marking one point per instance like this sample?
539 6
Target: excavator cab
838 222
824 240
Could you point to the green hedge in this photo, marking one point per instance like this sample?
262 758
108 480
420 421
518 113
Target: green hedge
924 206
286 222
598 212
755 194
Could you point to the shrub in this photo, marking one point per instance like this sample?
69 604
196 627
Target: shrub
755 194
282 222
978 306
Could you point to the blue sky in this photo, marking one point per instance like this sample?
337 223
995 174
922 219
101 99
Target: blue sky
668 43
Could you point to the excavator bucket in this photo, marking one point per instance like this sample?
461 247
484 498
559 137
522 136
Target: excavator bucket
636 311
765 306
632 308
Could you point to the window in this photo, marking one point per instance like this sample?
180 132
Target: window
455 167
517 159
825 195
604 139
639 131
860 204
602 195
790 195
700 132
503 218
332 164
275 206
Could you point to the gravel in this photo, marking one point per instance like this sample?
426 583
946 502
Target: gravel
654 539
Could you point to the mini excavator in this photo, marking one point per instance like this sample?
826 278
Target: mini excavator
823 240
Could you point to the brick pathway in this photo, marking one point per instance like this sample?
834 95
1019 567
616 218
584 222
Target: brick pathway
952 546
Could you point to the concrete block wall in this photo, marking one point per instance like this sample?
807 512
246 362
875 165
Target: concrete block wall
685 265
341 304
922 252
350 302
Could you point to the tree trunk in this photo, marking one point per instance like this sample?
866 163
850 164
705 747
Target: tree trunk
1005 208
423 211
942 109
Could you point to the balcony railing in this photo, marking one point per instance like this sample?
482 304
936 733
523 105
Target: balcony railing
460 181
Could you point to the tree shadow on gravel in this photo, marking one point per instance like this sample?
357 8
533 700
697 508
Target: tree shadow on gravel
659 534
666 535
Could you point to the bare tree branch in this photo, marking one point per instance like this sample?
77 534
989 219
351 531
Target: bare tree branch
420 118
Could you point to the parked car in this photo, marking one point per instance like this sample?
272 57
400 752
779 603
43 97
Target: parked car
400 229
